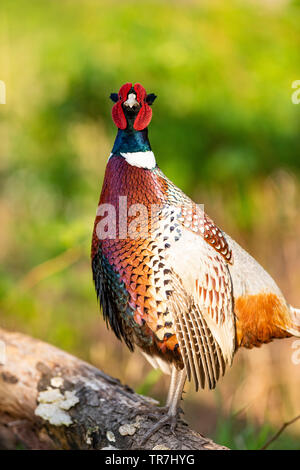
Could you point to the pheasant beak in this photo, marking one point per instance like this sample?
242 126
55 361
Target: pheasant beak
131 101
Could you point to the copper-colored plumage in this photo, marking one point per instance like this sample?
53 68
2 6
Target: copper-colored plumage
177 286
260 318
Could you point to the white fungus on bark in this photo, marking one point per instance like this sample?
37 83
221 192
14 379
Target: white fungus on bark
53 405
161 447
109 448
56 382
110 436
127 429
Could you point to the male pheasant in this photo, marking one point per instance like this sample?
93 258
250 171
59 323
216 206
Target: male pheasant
168 279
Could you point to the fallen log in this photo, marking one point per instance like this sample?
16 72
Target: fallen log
50 399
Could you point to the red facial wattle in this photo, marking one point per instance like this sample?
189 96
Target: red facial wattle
145 113
117 110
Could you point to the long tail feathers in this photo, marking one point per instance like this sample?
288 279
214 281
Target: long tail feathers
294 329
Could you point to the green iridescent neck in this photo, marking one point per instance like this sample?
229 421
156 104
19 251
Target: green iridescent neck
129 141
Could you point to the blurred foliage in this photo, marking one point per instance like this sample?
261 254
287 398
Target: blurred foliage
248 436
224 130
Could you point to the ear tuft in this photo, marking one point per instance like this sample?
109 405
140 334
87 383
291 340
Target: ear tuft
114 97
150 98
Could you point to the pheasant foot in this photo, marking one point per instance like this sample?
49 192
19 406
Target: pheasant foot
167 420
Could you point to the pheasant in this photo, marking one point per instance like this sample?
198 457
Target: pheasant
170 281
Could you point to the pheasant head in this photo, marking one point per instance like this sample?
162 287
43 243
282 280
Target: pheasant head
132 107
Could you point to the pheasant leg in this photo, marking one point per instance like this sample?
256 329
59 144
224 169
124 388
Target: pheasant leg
178 379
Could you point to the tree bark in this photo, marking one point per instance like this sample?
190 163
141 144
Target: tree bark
52 400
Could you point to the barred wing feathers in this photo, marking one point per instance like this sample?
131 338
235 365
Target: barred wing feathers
202 307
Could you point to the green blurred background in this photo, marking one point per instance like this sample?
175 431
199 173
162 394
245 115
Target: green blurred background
224 129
